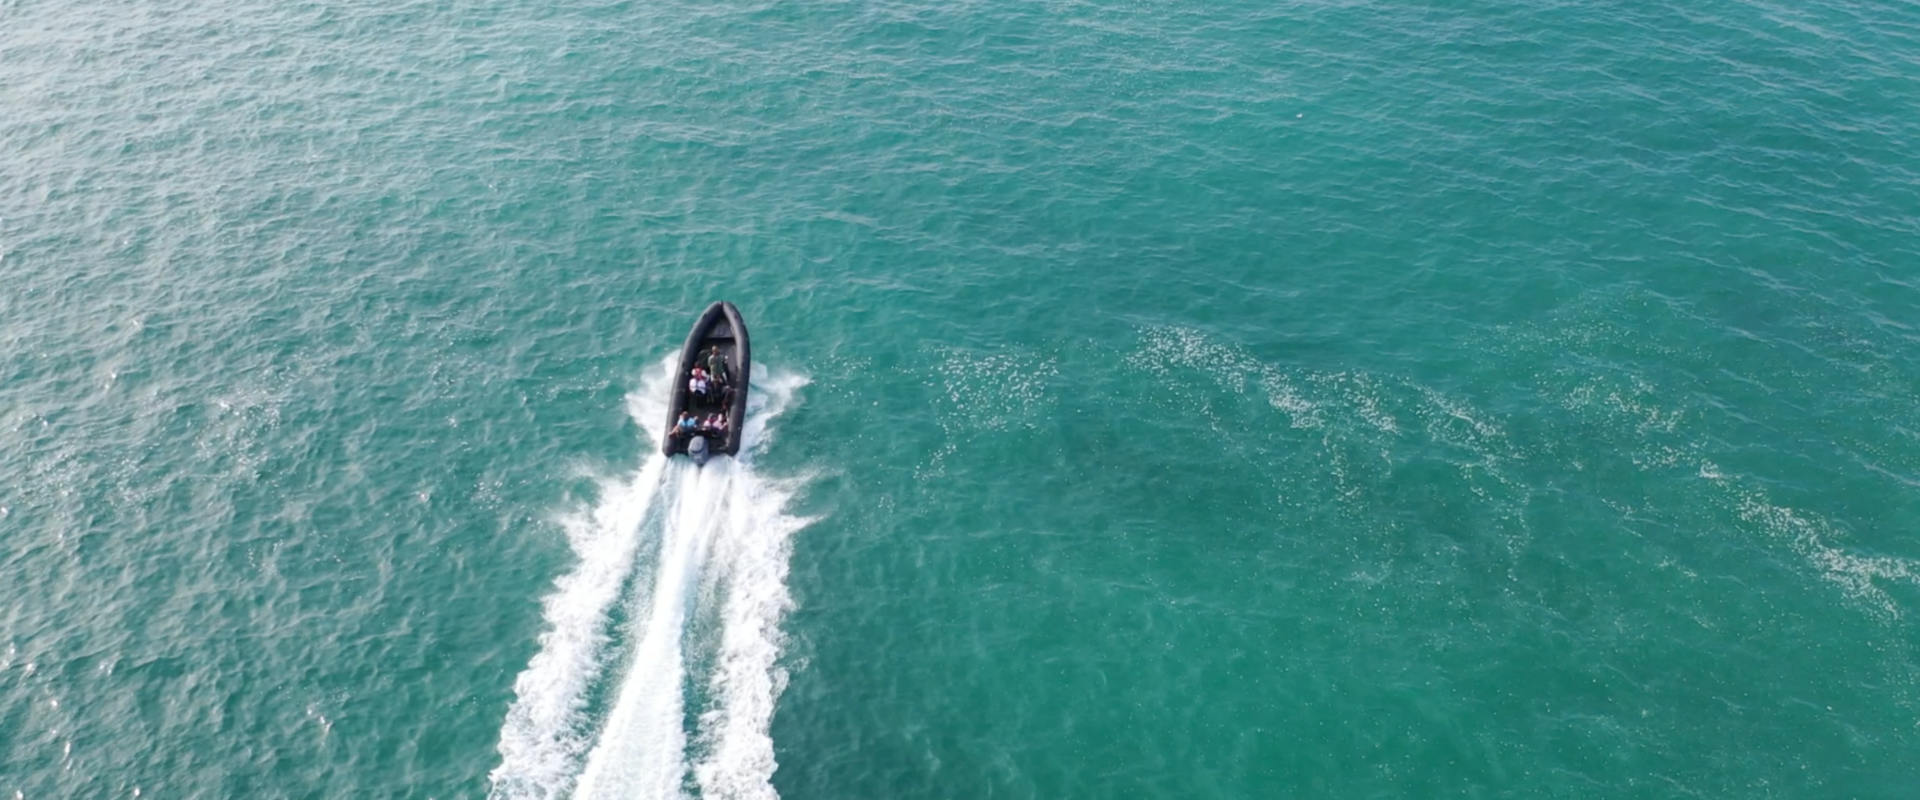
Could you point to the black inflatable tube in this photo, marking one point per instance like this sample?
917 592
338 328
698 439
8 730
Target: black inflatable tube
720 325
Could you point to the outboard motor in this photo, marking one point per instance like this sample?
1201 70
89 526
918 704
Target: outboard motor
697 450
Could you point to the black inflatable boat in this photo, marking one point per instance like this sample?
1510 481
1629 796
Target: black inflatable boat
717 346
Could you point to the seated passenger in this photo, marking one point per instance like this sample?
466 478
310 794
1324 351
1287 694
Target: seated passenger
685 425
717 422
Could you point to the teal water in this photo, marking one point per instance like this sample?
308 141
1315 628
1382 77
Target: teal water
1155 400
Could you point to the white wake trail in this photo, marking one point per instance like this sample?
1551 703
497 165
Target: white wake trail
748 679
543 736
726 512
641 749
723 539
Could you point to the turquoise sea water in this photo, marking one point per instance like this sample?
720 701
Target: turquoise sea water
1200 400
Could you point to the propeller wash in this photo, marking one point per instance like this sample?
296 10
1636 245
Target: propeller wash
674 605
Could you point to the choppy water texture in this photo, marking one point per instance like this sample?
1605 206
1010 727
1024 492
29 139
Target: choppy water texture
1195 400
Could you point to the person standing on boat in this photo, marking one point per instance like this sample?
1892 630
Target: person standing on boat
717 365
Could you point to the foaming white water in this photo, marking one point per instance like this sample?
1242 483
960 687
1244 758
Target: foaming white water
747 679
723 511
544 734
641 747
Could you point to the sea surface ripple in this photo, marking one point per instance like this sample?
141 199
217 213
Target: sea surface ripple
1197 399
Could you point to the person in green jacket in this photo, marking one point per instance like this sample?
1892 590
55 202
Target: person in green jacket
717 366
